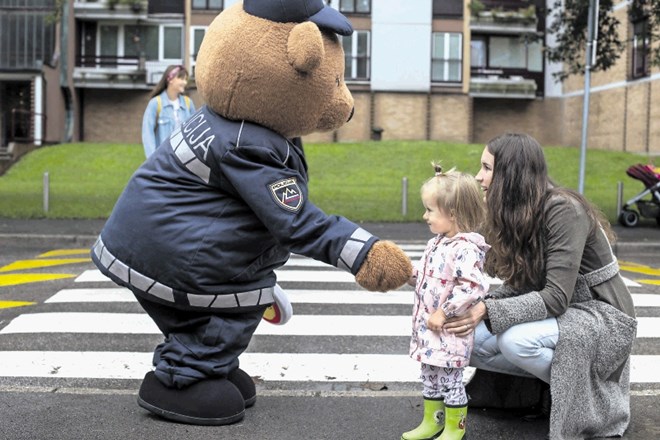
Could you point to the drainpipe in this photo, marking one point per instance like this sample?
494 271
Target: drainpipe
38 110
64 73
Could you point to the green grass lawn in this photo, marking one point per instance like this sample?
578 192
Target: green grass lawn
362 181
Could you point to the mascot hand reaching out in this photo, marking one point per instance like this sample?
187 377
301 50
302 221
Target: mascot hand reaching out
202 225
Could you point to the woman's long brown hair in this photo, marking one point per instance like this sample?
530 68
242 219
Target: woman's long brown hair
516 221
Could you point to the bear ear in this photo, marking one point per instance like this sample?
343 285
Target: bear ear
305 47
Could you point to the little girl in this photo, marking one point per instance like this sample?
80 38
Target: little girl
448 281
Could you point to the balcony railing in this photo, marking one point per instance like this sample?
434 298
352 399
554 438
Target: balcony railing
505 83
99 71
115 7
109 9
511 17
108 62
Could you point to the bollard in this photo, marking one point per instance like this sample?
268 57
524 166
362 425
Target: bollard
46 191
619 199
404 196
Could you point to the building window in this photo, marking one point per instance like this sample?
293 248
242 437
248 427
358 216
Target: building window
355 6
197 35
478 53
447 57
109 37
208 5
172 49
503 52
356 56
141 40
28 36
122 45
640 49
448 8
515 53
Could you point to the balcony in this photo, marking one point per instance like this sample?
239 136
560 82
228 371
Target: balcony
504 84
110 9
110 72
27 40
493 17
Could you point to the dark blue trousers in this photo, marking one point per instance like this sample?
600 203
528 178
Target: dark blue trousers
198 345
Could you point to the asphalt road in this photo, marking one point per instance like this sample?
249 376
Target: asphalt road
100 408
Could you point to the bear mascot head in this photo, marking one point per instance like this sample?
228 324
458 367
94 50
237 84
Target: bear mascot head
204 222
264 63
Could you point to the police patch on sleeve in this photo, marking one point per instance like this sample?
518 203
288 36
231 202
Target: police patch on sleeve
287 194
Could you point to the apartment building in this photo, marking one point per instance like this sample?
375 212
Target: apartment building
450 70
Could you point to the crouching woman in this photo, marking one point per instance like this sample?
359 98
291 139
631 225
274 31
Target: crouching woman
563 314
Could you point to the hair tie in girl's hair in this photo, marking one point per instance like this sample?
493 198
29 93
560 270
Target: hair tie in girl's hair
438 169
173 73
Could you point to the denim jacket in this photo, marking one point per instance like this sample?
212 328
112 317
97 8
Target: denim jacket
153 134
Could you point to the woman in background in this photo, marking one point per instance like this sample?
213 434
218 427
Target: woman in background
167 109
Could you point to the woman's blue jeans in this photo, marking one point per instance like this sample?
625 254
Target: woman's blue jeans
522 350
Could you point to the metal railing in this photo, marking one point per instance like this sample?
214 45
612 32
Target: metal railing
108 61
492 72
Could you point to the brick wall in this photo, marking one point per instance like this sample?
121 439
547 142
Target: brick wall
625 117
451 118
402 116
116 115
538 118
623 113
405 116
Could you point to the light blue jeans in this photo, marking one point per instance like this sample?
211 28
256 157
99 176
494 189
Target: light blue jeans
522 350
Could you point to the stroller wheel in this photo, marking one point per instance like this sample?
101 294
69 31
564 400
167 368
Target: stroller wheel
629 218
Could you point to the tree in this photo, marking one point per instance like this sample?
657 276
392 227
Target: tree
569 26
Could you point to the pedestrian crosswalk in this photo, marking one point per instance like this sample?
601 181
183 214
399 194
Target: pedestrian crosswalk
338 334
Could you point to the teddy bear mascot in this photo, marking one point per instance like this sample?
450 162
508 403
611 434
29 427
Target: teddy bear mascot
204 222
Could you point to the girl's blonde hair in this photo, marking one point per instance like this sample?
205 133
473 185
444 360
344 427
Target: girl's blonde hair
459 194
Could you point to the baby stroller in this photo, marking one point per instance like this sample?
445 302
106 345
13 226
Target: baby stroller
647 208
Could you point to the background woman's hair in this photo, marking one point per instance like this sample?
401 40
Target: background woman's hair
516 221
458 193
164 80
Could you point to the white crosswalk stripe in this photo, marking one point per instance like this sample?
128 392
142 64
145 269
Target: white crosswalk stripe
93 290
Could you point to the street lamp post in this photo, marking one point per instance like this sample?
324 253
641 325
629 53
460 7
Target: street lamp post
590 60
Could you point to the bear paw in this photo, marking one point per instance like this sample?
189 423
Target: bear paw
386 267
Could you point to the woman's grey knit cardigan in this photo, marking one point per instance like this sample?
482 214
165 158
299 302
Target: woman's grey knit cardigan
589 383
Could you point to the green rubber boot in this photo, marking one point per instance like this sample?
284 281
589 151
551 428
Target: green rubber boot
455 419
432 423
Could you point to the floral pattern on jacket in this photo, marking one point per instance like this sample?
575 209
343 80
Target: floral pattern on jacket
449 276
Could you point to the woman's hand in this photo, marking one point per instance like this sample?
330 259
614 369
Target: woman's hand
464 324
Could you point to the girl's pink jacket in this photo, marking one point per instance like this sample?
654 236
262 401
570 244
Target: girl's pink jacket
449 276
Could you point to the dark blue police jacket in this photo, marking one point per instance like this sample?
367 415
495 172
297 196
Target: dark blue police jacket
206 220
